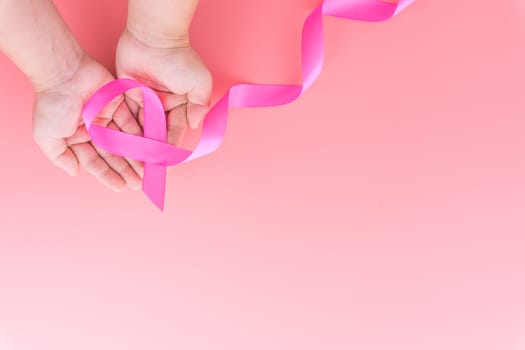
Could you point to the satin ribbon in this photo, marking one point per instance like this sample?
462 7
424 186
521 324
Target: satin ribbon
153 149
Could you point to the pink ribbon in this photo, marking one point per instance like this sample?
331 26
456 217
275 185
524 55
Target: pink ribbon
153 149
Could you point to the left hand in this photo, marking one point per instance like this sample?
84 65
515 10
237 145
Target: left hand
175 72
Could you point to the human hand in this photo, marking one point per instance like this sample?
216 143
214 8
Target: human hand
177 74
60 132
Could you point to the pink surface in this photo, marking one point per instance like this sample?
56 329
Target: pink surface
406 232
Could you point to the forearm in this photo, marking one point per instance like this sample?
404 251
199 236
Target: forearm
161 23
35 37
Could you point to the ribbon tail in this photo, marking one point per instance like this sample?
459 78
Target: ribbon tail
154 184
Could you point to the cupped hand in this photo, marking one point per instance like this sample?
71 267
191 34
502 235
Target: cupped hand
60 132
177 74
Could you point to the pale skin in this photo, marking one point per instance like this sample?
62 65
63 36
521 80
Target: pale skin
153 49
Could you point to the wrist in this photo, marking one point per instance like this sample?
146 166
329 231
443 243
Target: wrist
161 23
60 66
158 39
36 38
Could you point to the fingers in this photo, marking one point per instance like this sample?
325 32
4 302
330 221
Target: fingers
124 167
135 95
140 117
199 100
171 100
97 166
124 119
67 161
126 122
98 160
176 119
121 167
57 151
133 106
196 114
176 122
81 135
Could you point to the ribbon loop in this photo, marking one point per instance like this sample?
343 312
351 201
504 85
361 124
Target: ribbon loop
152 149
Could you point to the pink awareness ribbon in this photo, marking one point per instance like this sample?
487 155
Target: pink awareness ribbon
153 149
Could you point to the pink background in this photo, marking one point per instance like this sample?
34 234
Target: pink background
409 233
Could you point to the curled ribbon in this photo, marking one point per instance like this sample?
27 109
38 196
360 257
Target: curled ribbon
153 149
